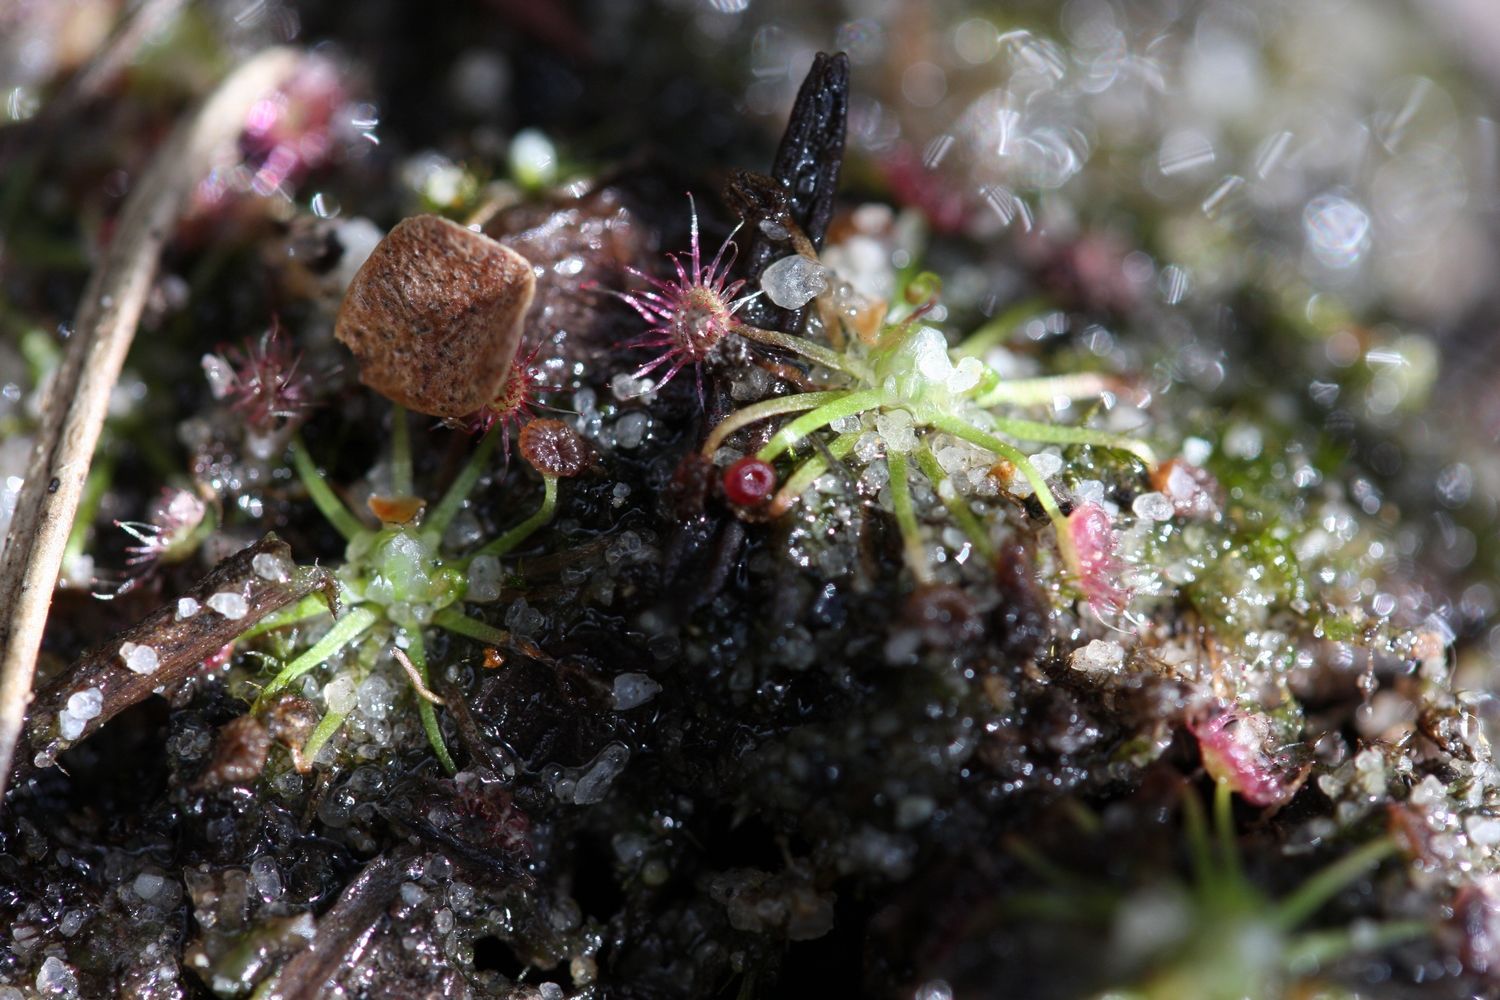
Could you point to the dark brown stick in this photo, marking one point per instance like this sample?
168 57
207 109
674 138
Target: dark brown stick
76 406
179 644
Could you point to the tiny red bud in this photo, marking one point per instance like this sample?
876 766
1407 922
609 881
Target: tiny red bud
749 482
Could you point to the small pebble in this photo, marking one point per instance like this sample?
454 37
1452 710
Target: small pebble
634 690
603 770
69 726
56 979
339 695
792 282
1046 464
1196 450
375 695
266 876
147 885
1102 656
631 428
895 428
1153 507
484 579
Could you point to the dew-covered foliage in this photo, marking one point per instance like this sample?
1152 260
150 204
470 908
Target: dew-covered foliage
1063 567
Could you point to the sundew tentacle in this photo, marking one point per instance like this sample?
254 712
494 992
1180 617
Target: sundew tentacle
447 508
345 521
418 654
847 405
515 536
808 472
773 407
689 315
956 506
906 518
344 631
1031 430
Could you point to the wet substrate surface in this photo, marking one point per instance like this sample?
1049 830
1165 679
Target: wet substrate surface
718 756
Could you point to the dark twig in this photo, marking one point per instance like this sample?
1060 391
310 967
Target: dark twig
179 644
807 167
344 929
799 197
75 408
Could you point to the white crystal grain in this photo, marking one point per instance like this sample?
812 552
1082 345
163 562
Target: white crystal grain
138 658
86 704
229 604
1153 507
269 566
792 282
633 690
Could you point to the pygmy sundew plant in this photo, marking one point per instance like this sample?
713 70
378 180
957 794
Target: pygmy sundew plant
919 387
1233 746
1239 943
691 316
177 522
397 581
514 404
260 380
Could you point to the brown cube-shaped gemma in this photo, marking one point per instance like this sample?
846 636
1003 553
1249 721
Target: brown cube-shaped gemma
434 316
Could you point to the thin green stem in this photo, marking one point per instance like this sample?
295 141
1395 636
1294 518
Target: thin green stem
457 622
817 353
1032 430
1043 391
332 508
1041 866
515 536
311 606
344 631
418 655
1229 855
966 431
1200 848
1309 952
906 518
774 407
447 508
809 471
958 509
1325 884
327 726
94 488
998 329
400 452
846 406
